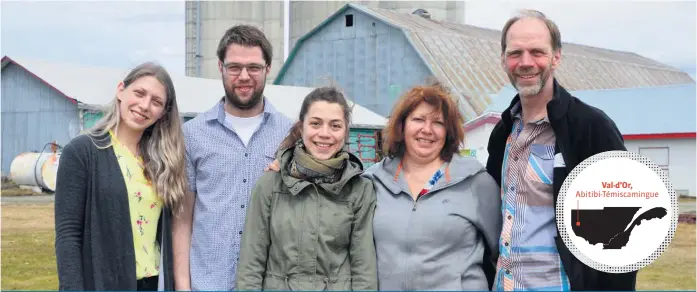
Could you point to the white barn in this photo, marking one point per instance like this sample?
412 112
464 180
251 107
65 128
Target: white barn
656 122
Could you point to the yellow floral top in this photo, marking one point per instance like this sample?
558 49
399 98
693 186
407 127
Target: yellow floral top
145 207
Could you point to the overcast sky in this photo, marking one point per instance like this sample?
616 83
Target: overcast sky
125 33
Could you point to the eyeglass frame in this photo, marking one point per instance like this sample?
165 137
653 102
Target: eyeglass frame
243 67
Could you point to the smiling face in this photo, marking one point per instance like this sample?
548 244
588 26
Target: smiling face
324 130
244 74
529 59
424 133
142 103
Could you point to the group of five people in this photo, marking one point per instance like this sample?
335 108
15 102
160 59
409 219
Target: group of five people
242 198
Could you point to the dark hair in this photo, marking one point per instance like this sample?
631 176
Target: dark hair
245 35
329 94
439 97
554 33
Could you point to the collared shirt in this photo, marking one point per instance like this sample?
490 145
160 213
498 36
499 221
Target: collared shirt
222 172
528 258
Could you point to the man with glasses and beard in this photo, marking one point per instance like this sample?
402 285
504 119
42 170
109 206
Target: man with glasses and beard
542 136
227 149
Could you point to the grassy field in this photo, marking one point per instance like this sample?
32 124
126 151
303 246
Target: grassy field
9 189
28 254
29 263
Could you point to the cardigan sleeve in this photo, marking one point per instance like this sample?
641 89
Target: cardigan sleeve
71 188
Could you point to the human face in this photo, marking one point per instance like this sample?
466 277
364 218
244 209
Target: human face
142 103
529 60
324 130
244 74
424 133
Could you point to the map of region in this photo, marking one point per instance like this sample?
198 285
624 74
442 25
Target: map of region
610 226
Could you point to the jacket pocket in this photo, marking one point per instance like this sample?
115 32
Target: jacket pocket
337 219
269 154
539 174
541 163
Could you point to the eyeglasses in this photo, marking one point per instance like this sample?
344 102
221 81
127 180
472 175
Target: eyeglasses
235 69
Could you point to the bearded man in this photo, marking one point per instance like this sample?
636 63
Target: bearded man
227 149
541 137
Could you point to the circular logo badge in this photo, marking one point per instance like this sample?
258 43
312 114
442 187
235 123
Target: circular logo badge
617 211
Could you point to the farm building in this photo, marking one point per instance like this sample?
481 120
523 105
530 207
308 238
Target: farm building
657 122
377 54
51 101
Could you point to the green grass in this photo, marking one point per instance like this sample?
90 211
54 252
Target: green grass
16 192
675 268
687 200
28 251
29 263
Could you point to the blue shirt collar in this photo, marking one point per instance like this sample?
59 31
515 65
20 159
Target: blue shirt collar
218 111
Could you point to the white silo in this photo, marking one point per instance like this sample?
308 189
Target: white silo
206 21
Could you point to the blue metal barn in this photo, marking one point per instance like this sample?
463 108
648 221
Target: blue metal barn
375 55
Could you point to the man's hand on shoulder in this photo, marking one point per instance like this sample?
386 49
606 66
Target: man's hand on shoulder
273 166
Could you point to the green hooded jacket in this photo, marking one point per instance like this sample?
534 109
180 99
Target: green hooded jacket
304 236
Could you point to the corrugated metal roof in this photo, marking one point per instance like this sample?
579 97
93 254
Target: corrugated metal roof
468 57
651 110
95 86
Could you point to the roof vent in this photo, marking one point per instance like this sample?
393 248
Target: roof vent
422 12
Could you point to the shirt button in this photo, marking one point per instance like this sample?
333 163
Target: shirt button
509 217
512 188
246 154
508 271
242 206
506 244
244 180
240 232
515 158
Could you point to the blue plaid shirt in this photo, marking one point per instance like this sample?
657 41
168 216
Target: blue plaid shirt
222 173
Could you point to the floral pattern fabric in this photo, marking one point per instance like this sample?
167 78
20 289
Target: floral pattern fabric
145 207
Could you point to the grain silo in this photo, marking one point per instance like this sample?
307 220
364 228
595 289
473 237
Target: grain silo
284 22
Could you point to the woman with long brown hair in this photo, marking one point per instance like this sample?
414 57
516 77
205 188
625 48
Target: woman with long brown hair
117 186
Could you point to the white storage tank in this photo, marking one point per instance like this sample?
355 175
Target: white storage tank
35 169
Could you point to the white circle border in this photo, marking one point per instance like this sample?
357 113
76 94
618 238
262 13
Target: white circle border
561 198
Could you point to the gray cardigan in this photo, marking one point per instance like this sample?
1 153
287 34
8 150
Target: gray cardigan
447 240
94 239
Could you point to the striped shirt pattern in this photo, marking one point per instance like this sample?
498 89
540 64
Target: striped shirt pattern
528 258
222 172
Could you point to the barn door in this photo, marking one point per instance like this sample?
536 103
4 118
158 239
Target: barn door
365 143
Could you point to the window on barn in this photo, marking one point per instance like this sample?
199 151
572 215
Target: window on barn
349 20
658 155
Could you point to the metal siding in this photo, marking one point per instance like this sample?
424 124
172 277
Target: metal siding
366 62
583 67
33 114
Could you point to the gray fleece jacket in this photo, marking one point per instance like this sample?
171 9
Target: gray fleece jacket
447 239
